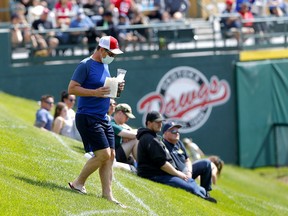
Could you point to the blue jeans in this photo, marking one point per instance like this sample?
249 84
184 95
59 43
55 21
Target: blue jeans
203 169
177 182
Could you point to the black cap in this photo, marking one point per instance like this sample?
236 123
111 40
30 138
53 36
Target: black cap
154 116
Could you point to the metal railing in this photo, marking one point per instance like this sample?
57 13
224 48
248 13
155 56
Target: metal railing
190 35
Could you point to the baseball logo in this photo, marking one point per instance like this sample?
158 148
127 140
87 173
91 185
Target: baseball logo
185 96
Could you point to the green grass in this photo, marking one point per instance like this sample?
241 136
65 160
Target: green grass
35 167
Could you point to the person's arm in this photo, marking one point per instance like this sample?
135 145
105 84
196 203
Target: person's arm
76 89
124 133
58 125
168 168
188 167
214 173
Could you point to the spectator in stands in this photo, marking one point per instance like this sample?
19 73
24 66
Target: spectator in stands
277 7
124 6
35 11
107 22
246 14
17 38
94 9
217 166
44 24
21 31
81 21
139 19
125 36
155 162
63 13
177 9
199 168
44 119
125 136
230 22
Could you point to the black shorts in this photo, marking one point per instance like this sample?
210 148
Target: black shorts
96 133
120 155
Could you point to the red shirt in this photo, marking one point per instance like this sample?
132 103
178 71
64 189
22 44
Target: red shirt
122 5
63 12
245 16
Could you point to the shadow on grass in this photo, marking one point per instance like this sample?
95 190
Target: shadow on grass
79 149
49 185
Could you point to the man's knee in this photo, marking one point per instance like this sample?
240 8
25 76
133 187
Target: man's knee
103 155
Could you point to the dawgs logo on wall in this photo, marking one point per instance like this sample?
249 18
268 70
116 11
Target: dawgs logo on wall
185 96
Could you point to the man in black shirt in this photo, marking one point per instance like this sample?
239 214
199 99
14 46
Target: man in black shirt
155 162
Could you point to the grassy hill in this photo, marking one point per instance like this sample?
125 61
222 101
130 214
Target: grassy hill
35 167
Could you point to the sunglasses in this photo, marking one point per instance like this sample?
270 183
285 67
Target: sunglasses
110 53
173 131
72 100
49 102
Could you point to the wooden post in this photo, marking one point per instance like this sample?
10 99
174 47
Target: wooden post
4 11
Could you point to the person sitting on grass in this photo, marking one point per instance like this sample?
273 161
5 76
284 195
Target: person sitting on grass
125 136
44 118
155 162
199 168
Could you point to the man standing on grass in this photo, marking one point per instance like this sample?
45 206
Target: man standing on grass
155 162
91 118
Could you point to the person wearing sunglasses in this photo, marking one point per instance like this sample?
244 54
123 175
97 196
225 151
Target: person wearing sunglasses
202 168
155 162
92 120
70 129
44 119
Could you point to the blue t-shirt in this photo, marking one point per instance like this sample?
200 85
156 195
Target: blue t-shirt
91 74
44 116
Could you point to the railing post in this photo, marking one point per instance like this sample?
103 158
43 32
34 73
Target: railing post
5 44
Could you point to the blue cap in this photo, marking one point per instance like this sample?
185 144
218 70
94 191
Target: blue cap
169 126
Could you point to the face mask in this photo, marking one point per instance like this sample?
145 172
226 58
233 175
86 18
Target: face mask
107 59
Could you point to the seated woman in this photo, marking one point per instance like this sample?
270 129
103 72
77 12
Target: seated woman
61 125
216 166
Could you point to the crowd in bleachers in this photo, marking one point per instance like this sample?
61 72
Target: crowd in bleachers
239 15
98 17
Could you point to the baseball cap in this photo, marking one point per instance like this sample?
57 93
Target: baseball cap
169 126
125 108
229 2
46 10
110 43
154 116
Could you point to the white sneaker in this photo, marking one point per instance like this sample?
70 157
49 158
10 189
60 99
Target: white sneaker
89 155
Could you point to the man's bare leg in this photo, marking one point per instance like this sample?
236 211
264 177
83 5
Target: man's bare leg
106 175
101 156
130 147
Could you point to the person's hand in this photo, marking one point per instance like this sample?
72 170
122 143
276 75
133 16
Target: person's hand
121 85
102 91
182 176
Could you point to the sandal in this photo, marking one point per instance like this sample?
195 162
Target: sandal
118 203
82 190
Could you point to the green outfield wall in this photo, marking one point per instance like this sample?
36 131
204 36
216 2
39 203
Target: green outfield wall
231 109
263 113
